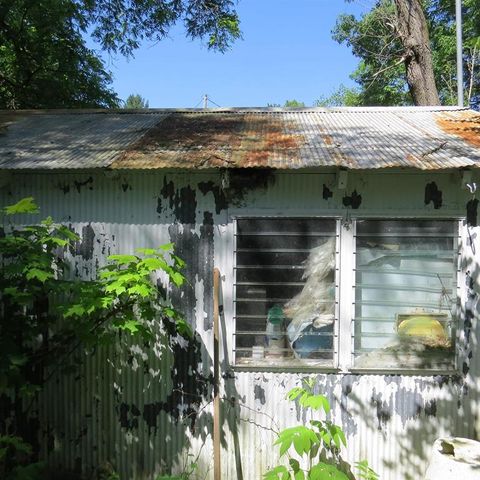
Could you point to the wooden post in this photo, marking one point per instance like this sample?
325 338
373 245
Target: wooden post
217 474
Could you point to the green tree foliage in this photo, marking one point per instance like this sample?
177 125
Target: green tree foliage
45 318
342 97
120 25
294 104
374 39
44 62
288 104
135 101
313 449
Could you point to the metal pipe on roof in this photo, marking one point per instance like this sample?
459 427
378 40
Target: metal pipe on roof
458 16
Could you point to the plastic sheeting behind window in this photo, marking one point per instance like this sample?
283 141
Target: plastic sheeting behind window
405 294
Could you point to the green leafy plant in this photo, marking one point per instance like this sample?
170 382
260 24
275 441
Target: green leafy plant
365 472
15 460
46 315
313 449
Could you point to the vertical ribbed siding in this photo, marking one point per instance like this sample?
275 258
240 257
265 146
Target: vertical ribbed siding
109 410
391 420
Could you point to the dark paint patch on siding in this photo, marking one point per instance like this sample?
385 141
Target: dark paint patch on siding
183 202
442 380
472 304
431 408
150 414
64 187
128 416
347 402
382 409
433 195
259 393
205 267
168 191
408 404
85 245
244 180
472 208
219 196
353 201
197 252
126 186
327 193
87 183
186 205
186 246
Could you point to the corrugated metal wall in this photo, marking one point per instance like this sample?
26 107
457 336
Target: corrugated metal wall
147 411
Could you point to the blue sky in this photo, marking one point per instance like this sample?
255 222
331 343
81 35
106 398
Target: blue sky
287 52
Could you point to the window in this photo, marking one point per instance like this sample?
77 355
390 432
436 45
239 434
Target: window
287 293
405 294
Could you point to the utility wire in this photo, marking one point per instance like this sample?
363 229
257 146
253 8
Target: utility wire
216 104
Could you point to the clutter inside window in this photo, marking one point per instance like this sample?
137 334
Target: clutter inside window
285 291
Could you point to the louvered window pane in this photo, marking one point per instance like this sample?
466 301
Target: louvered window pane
285 284
405 294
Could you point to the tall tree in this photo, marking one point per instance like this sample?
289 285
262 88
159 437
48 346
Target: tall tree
394 58
45 63
412 30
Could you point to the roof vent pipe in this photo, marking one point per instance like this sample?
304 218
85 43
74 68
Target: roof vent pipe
458 15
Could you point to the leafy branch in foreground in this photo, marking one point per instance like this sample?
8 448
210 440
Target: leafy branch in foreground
45 318
316 445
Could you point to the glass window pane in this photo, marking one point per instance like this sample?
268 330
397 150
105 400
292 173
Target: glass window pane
405 294
285 291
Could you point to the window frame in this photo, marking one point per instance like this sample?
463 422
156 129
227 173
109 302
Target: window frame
345 271
458 305
333 367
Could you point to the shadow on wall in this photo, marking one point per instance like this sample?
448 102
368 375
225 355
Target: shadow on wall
138 407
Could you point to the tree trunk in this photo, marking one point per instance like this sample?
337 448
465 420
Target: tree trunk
413 33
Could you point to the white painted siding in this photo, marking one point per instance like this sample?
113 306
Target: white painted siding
112 411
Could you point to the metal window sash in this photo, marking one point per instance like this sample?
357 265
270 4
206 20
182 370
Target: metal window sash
346 290
461 288
336 330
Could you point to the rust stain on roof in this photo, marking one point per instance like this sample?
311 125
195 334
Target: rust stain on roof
328 139
199 140
465 125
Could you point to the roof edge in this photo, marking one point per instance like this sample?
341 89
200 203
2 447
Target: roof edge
124 111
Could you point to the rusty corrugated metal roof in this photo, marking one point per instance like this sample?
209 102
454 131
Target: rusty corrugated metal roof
427 138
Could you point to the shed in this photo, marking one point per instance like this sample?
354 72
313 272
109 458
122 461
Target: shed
347 229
